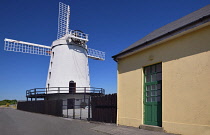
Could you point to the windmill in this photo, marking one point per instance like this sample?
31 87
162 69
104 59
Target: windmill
69 54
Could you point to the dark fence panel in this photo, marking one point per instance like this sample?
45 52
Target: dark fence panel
52 107
104 108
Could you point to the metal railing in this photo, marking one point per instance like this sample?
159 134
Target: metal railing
71 90
78 35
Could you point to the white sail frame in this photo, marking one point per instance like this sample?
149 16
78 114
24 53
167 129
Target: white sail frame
63 20
26 47
95 54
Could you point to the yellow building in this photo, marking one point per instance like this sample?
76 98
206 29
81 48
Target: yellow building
164 78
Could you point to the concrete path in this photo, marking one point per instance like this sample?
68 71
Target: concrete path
15 122
122 130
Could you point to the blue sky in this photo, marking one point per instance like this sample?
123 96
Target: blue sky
112 26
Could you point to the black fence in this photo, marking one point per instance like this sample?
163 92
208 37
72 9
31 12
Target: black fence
104 108
94 108
52 107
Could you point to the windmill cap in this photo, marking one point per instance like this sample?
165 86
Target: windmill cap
61 41
67 41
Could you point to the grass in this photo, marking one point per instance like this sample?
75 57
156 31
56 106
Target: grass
10 106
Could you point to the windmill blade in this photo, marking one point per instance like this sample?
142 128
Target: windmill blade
26 47
95 54
63 20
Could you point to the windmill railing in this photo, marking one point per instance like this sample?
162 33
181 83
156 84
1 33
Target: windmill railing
41 92
79 35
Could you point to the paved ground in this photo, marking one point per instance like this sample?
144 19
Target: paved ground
15 122
121 130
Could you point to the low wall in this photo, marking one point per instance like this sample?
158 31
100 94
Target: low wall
52 107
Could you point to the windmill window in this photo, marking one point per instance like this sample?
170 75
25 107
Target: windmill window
49 75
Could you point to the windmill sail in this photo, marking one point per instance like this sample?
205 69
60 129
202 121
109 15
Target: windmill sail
26 47
63 29
63 20
95 54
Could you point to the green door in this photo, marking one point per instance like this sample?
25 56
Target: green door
152 95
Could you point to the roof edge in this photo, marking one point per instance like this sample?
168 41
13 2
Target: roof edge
174 32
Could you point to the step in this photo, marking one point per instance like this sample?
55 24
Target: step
151 128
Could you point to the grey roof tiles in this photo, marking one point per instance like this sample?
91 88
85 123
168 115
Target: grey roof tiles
186 20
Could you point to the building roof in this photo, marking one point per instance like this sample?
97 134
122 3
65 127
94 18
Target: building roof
187 22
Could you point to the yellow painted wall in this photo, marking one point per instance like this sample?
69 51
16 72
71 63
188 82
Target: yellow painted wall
185 84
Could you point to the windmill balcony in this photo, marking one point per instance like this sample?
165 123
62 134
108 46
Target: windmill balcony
44 92
77 34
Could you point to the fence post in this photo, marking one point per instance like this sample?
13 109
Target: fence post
89 108
67 108
74 110
80 113
27 95
46 91
58 93
84 94
35 95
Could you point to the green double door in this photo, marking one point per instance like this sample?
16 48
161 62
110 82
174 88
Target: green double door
152 95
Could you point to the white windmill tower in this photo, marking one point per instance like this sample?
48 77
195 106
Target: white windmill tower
69 55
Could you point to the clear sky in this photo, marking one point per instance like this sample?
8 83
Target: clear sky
112 26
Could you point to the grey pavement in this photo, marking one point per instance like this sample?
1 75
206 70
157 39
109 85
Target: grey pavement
123 130
16 122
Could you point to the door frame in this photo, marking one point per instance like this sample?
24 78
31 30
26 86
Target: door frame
159 104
